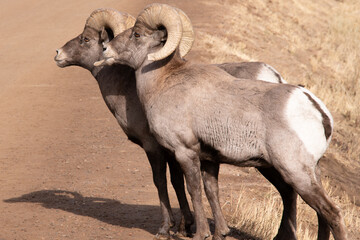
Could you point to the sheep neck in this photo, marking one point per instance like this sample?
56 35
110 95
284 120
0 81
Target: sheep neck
152 76
118 89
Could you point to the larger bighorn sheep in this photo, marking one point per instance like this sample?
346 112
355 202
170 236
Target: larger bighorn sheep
201 113
117 86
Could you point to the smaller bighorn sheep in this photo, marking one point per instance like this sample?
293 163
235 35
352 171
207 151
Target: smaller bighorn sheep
117 86
201 113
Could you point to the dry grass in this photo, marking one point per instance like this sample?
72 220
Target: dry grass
261 216
315 43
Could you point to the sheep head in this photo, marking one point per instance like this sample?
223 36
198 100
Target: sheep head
158 31
86 48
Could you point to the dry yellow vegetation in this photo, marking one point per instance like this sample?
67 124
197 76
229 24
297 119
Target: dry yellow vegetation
313 43
261 215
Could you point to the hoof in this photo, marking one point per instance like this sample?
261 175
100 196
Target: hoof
222 235
184 229
160 236
218 237
183 234
198 237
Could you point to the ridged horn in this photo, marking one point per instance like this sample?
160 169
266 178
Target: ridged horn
156 15
188 35
111 18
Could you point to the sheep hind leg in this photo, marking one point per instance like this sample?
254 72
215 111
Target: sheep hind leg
329 215
210 172
323 228
287 230
158 166
177 180
308 185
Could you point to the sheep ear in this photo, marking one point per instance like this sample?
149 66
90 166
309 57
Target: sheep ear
160 35
104 37
163 35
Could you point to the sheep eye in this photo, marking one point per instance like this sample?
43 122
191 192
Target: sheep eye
86 40
136 35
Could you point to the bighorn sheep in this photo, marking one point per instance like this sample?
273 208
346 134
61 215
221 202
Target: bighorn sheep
199 112
117 86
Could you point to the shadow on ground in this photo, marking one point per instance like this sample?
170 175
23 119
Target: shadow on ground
106 210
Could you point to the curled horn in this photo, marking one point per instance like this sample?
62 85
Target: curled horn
115 20
157 15
188 35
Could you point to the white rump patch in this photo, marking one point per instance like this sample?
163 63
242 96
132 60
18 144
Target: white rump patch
306 121
269 74
324 108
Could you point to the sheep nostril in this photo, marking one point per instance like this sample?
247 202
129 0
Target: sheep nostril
57 51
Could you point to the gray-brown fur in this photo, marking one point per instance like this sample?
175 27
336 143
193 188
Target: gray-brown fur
190 106
251 70
117 86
